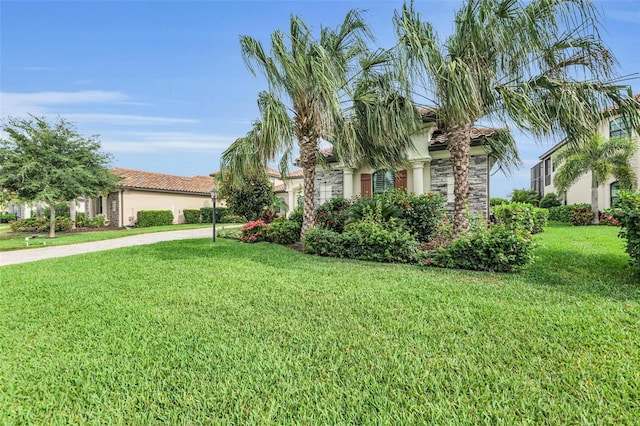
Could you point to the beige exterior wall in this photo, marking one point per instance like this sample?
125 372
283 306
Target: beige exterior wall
580 192
134 201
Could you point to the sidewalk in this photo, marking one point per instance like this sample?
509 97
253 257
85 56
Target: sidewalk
31 255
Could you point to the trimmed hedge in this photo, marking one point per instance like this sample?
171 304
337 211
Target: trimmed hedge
364 240
147 218
522 215
206 214
565 213
8 217
191 215
284 231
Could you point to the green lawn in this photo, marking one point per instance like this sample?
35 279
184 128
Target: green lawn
191 332
15 241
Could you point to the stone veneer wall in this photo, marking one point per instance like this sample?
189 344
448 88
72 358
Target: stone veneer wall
442 169
112 215
328 177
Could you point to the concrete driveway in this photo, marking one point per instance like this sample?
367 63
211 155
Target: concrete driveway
31 255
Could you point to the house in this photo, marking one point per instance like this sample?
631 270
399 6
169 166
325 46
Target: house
139 190
429 169
542 173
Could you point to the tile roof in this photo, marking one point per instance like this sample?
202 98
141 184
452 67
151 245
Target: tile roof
440 138
295 174
162 182
280 188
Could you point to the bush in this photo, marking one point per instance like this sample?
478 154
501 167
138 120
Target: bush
333 214
234 218
364 240
527 196
423 213
540 219
283 231
297 215
496 201
206 215
95 222
40 225
582 215
496 249
607 217
191 216
62 209
147 218
379 209
515 215
550 200
8 217
565 213
628 214
254 232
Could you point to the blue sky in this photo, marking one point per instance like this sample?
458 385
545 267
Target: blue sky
163 82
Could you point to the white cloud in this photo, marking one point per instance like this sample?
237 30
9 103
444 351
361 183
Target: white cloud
21 104
165 142
125 119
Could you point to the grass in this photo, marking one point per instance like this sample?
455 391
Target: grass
15 241
189 332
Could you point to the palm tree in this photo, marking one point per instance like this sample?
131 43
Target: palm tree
603 158
514 63
328 89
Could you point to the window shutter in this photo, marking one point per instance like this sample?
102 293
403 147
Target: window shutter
401 179
365 185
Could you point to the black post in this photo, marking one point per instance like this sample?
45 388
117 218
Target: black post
214 218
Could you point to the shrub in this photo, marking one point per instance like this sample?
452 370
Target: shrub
233 218
582 215
628 214
84 222
607 217
498 248
377 209
8 217
191 216
550 200
283 231
515 215
147 218
297 216
62 209
333 214
496 201
565 213
254 231
222 213
364 240
40 224
527 196
540 219
423 213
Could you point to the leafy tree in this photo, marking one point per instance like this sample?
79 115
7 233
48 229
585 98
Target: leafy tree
250 197
51 162
539 65
330 88
529 196
602 158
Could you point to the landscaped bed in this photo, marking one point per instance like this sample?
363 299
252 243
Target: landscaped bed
192 332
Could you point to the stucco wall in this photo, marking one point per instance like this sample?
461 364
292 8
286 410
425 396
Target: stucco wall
135 201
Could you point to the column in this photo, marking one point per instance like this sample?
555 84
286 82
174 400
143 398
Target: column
418 177
347 183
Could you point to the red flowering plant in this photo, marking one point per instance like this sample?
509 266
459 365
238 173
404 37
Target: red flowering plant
333 214
254 231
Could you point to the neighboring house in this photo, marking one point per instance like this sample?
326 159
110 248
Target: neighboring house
430 169
139 190
542 174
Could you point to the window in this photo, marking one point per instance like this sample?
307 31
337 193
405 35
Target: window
536 179
547 171
383 181
618 128
615 187
325 193
99 205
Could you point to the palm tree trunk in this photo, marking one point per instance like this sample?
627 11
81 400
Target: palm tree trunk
459 139
308 161
594 199
52 221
